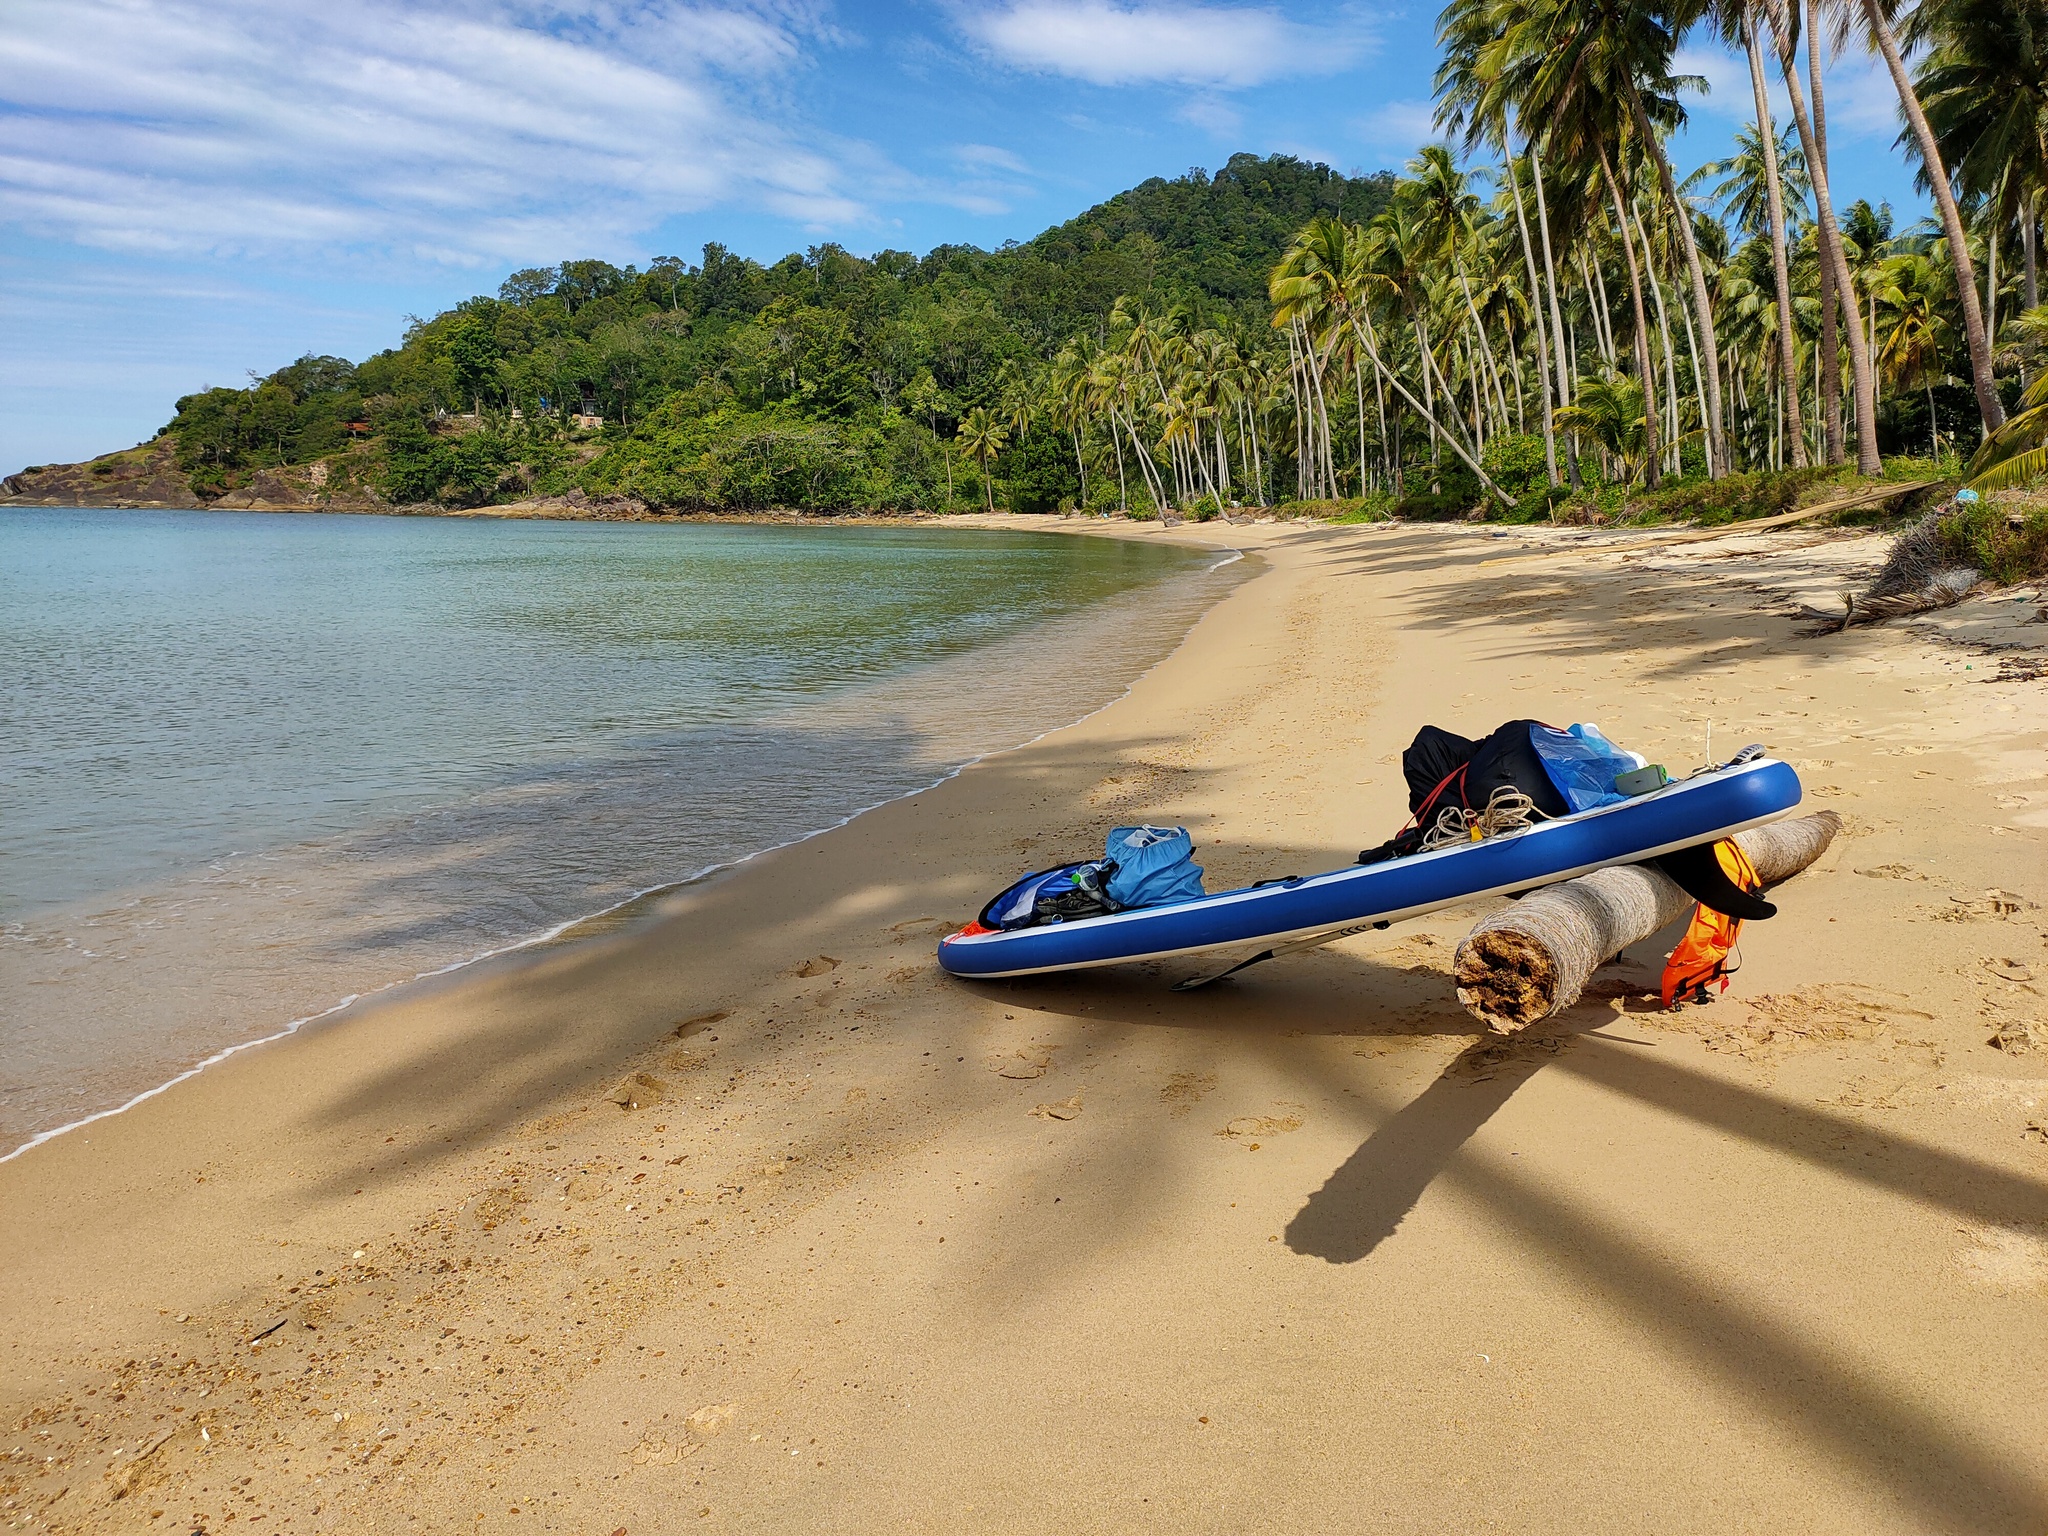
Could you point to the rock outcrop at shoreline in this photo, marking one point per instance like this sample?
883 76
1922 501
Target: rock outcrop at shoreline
145 476
148 476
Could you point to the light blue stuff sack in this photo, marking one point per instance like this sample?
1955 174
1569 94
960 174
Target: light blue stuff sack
1155 866
1583 764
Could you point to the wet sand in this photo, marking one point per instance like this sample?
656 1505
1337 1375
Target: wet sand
871 1249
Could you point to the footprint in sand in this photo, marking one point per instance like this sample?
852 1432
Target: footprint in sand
1021 1065
639 1091
682 1029
498 1205
1251 1131
2012 1261
1065 1109
2018 1036
1994 905
1892 872
1784 1023
1184 1090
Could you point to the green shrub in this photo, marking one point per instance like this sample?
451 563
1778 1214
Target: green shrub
1757 493
1537 506
1516 464
1423 507
735 459
1345 509
2006 546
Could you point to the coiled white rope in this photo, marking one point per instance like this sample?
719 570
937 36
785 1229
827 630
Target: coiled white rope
1507 810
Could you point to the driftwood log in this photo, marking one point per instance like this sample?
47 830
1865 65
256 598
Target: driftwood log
1534 957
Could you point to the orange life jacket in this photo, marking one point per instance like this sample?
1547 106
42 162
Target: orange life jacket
1702 956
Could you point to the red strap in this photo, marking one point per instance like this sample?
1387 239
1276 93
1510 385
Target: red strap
1430 799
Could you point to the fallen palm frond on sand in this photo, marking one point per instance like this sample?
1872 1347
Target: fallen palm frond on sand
1965 547
1918 576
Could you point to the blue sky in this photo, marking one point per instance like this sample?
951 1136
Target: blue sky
194 189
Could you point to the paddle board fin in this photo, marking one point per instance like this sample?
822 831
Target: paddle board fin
1294 948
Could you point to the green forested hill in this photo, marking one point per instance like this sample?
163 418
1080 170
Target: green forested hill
825 380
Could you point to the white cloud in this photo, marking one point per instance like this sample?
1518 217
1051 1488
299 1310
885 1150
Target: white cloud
987 157
1399 128
1106 42
1860 97
472 130
1212 116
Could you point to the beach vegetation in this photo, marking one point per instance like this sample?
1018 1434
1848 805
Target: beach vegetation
2007 543
1541 316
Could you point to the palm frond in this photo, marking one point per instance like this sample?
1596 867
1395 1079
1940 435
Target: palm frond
2017 470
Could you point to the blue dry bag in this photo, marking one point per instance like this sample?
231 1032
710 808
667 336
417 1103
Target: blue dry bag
1154 866
1583 764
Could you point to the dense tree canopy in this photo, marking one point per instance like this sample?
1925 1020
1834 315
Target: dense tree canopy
823 380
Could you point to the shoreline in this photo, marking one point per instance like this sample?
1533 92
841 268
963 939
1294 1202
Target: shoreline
566 929
877 1248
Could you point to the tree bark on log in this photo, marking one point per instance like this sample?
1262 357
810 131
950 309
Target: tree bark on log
1533 958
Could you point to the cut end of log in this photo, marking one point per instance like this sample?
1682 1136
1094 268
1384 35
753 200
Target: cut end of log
1507 980
1533 959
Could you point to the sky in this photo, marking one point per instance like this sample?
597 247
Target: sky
192 191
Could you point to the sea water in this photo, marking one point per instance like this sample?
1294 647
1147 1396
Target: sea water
254 764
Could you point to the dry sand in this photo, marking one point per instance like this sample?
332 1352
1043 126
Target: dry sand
748 1219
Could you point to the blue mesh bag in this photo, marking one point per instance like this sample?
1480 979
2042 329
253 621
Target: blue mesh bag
1583 764
1152 866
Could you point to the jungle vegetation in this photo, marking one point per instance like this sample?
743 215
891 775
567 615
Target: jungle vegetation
1541 306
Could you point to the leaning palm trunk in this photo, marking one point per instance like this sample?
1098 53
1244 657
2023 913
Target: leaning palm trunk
1767 134
1372 351
1830 343
1834 268
1154 487
1699 379
1652 470
1428 391
1664 333
1596 307
1702 301
1479 339
1988 405
1562 359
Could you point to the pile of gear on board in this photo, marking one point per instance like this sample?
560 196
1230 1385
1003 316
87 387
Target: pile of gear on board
1459 790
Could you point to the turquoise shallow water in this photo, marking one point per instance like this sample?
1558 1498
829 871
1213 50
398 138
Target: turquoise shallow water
255 763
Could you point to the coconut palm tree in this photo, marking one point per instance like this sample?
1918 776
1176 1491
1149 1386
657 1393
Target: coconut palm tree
1918 329
1582 67
1608 408
981 434
1746 21
1539 325
1984 87
1935 172
1835 270
2018 451
1866 246
1599 73
1743 191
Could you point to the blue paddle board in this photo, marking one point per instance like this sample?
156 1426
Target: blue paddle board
1701 809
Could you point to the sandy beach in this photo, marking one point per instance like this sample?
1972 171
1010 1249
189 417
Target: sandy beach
748 1219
